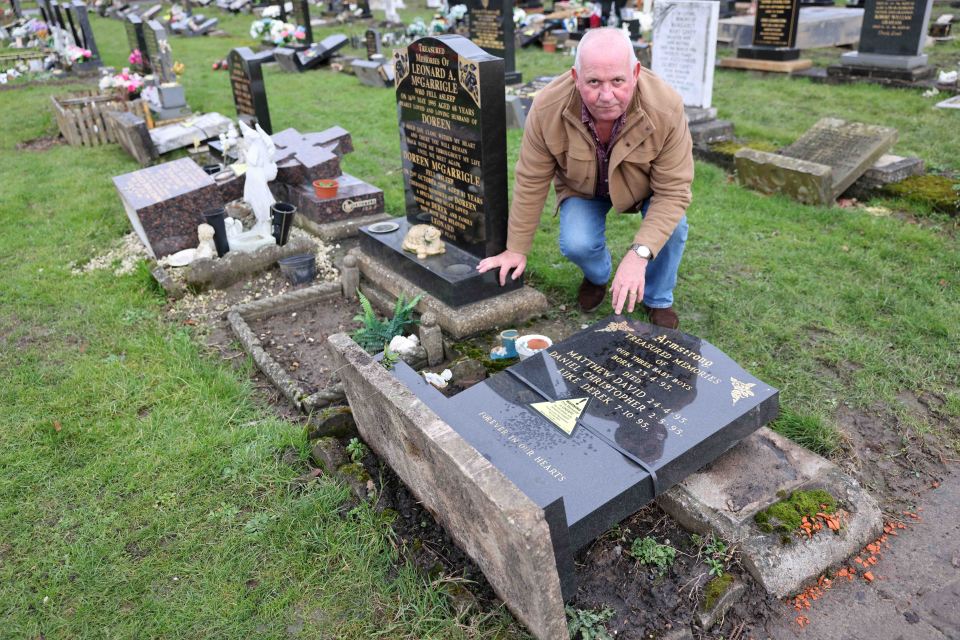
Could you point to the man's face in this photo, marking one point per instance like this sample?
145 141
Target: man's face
606 81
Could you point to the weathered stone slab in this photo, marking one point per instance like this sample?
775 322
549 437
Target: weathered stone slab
848 148
220 273
183 134
887 170
339 229
770 173
722 499
499 527
703 133
685 47
509 309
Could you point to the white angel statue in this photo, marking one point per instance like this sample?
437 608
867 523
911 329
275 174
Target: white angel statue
258 151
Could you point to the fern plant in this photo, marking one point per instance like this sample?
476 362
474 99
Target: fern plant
375 334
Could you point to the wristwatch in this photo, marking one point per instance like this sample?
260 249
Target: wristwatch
642 251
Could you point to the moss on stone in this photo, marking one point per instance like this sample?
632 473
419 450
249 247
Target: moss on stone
474 352
715 590
730 147
785 517
355 471
936 191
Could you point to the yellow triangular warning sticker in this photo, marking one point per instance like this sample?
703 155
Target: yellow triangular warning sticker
563 413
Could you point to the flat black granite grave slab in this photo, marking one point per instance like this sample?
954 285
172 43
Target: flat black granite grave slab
450 277
605 420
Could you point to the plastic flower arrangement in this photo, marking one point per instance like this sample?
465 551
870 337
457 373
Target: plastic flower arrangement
125 81
136 57
78 54
277 32
417 28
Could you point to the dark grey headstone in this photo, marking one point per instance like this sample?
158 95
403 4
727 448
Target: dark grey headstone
371 40
895 27
520 99
16 8
249 92
158 51
491 28
77 12
136 39
301 17
373 73
165 203
601 423
322 52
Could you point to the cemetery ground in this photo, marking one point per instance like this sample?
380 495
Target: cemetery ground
148 484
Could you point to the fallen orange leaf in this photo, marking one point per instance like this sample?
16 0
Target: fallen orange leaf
868 576
57 426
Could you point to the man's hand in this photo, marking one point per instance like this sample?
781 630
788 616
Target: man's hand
505 261
627 287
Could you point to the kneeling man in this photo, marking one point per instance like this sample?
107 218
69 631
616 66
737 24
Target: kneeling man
610 135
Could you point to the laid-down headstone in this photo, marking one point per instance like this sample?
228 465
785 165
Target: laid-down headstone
820 165
313 56
892 37
684 54
589 430
817 27
374 73
520 98
453 145
165 204
249 92
491 28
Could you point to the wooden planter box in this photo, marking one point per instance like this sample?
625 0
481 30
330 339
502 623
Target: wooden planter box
80 116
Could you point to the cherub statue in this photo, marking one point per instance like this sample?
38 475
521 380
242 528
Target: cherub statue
258 151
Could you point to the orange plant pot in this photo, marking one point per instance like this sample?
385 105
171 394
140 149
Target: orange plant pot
325 188
549 47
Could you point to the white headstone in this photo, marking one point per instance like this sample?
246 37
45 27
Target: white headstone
685 47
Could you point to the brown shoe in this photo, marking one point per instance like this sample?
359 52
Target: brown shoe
663 317
590 296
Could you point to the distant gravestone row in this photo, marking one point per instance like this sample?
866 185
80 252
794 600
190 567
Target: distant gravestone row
72 18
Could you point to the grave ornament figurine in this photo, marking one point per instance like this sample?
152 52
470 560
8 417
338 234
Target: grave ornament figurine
424 240
206 248
258 154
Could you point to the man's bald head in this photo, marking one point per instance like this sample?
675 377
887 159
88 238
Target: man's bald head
603 39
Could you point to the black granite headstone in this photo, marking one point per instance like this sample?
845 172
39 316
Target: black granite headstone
321 52
491 28
373 43
301 17
249 92
520 99
605 421
894 27
16 8
774 31
78 16
453 145
136 39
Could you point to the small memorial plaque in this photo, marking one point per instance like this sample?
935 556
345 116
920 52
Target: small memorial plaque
249 92
165 203
491 28
776 23
453 141
685 47
605 421
895 27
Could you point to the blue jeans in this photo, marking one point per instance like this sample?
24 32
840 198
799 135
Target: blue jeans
583 227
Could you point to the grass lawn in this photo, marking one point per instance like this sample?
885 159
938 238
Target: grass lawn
142 492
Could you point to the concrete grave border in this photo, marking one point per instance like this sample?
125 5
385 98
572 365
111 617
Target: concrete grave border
495 523
239 316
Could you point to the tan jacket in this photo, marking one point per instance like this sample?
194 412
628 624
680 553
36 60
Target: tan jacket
652 154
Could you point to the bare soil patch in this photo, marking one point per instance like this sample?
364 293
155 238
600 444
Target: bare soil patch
43 143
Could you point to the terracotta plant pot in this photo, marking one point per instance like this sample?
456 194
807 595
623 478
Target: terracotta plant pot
325 188
549 47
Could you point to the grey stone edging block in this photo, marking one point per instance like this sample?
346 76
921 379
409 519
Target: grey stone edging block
723 497
240 315
495 523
